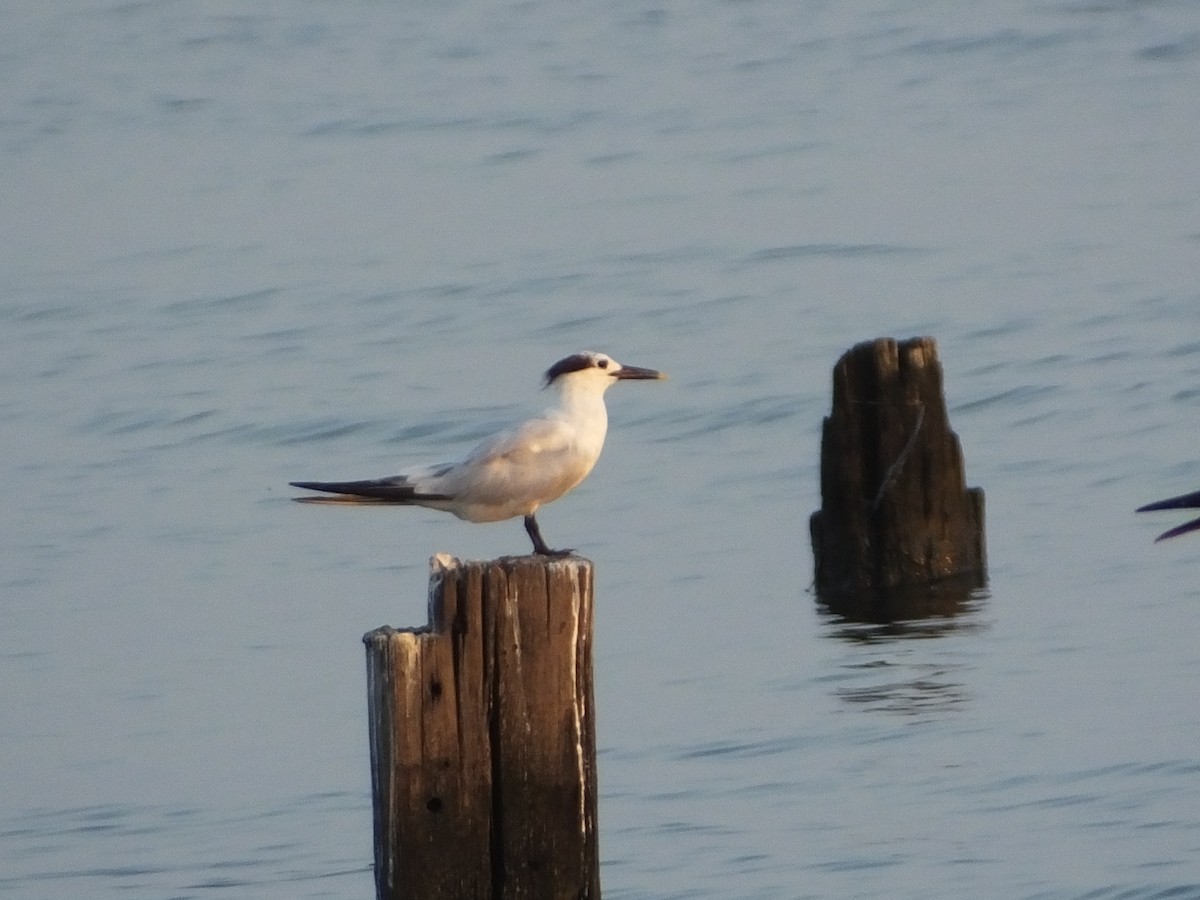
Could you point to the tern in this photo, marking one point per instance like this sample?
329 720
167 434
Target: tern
517 471
1186 501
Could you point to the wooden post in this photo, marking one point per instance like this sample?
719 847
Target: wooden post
895 508
483 742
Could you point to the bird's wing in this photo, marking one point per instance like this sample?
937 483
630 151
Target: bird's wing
529 441
1185 501
401 489
1193 525
531 464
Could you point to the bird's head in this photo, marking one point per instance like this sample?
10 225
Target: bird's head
595 371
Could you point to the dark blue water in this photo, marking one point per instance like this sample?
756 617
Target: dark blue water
239 247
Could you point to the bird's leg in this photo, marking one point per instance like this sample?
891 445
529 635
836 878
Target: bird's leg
539 546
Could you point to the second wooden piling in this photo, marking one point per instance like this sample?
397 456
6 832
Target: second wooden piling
482 731
895 508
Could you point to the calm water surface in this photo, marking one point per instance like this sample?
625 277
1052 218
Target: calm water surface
307 240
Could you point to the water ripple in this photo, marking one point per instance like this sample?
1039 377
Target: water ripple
829 251
1005 40
743 749
690 423
1021 395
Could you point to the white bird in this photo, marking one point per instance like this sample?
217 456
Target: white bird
1187 501
518 470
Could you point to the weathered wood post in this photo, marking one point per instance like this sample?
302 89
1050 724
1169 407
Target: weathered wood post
482 731
895 508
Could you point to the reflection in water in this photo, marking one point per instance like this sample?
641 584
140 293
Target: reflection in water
929 611
910 690
907 611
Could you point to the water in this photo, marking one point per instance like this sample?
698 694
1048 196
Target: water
321 240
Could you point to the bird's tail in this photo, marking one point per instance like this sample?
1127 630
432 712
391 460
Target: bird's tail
396 491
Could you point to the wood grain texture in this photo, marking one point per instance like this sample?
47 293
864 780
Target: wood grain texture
483 736
895 508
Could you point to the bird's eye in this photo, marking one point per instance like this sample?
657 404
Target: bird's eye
602 363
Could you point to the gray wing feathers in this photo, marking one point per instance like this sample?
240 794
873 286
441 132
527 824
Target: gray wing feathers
510 475
519 469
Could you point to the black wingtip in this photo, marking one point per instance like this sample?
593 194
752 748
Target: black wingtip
1183 501
379 490
1186 527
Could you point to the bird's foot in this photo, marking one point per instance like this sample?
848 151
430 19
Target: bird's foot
539 545
553 554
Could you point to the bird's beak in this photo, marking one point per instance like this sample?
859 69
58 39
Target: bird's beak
636 373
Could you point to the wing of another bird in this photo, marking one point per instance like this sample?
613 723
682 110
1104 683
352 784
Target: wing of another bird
398 489
1187 501
1193 525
